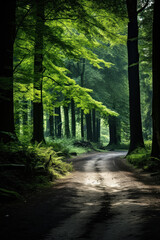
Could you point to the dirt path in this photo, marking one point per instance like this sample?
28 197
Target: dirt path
103 199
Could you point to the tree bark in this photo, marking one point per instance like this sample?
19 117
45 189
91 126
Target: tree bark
51 126
38 132
156 82
82 85
98 130
58 123
136 137
66 119
25 116
82 124
8 28
73 118
46 124
94 124
89 127
114 130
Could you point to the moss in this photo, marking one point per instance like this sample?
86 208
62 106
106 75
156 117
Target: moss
140 158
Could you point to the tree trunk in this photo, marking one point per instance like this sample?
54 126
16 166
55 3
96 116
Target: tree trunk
89 127
46 124
82 124
136 137
156 82
94 124
114 130
66 119
73 118
58 123
82 85
51 126
25 116
38 133
8 27
17 117
98 130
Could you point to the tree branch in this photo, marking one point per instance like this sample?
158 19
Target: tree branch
60 18
140 10
18 64
53 80
22 20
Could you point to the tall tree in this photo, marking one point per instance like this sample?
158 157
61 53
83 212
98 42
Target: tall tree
58 122
51 125
73 118
98 130
82 85
94 125
8 29
114 130
156 81
112 90
89 126
66 121
38 134
136 137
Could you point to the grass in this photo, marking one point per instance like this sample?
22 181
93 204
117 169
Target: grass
121 146
140 158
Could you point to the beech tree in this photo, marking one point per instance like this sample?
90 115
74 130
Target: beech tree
88 117
156 82
58 122
66 121
82 84
38 134
136 137
38 32
8 30
73 118
110 86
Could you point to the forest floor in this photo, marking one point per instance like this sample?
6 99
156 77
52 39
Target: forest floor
104 198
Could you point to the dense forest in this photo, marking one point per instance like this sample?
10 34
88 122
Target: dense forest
78 74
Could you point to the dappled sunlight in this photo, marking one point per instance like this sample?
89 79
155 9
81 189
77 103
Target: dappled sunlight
129 203
100 200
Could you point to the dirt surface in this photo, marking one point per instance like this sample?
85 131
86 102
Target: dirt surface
104 198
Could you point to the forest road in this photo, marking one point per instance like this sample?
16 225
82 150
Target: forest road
103 199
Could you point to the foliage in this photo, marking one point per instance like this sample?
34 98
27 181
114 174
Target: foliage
61 146
24 169
75 30
68 34
112 88
58 168
121 146
145 49
66 147
140 158
4 193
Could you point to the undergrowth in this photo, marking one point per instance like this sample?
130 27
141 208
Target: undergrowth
140 158
26 168
121 146
69 146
